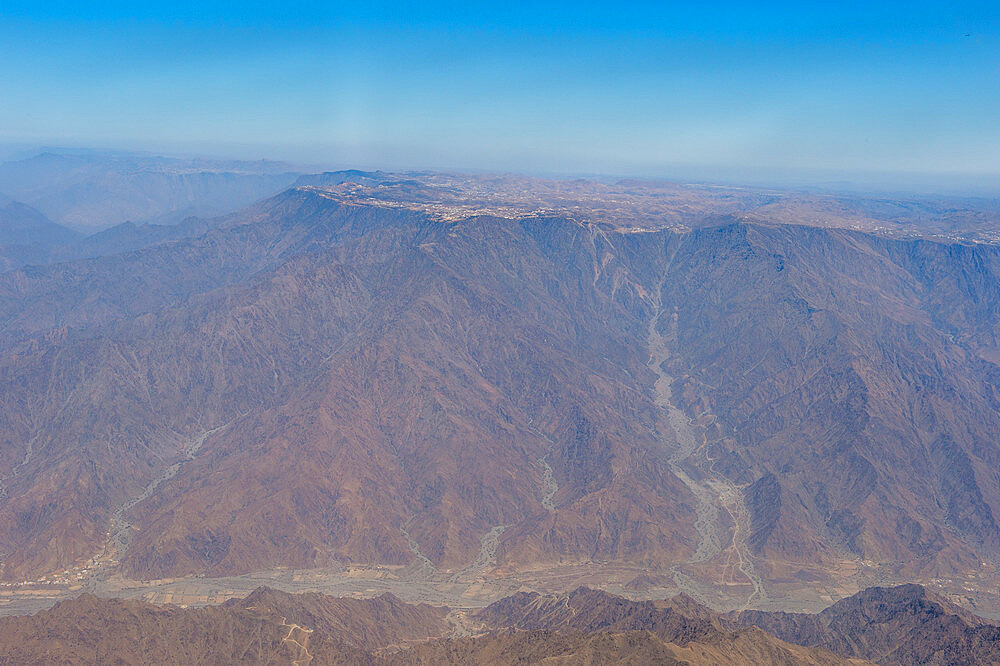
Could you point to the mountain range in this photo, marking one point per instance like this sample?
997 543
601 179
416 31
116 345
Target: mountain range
903 625
495 381
89 191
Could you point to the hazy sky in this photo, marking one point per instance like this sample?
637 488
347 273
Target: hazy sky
575 87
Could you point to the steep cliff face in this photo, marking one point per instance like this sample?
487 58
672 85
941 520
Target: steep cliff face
829 366
100 408
324 375
473 359
318 379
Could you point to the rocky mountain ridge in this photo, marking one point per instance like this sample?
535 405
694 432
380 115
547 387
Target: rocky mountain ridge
903 625
733 407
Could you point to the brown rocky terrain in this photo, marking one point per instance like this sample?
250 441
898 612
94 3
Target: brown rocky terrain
270 627
823 388
446 370
678 620
900 625
633 647
678 630
358 371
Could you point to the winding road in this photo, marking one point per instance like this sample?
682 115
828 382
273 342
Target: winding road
304 656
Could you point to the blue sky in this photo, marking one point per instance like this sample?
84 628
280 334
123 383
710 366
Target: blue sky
551 87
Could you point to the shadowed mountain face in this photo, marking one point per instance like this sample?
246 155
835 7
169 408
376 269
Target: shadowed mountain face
901 625
23 225
595 625
679 620
27 236
851 381
325 378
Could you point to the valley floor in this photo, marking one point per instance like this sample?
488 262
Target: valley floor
976 591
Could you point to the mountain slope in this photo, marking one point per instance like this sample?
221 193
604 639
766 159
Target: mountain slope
321 379
21 224
442 380
27 236
901 625
634 647
589 626
271 627
268 627
831 379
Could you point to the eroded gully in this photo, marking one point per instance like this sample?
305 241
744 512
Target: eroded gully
713 492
